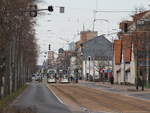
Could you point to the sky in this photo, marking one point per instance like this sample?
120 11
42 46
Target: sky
58 29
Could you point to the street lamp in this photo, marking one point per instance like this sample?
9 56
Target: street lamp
105 20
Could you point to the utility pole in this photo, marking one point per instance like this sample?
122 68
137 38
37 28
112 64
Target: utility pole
90 60
113 56
94 15
147 59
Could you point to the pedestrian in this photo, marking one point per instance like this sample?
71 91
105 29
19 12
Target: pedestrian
76 79
111 78
87 76
71 78
140 81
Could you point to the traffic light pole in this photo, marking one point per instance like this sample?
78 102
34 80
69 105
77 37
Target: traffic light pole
33 9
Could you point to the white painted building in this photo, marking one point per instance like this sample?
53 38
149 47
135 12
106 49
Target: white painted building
125 72
97 53
92 67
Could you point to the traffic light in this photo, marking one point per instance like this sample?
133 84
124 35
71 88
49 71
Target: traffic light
62 10
50 8
49 47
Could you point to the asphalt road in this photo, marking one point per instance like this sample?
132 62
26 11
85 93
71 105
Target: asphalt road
40 99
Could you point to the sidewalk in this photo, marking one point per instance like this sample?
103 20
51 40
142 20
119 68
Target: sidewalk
116 86
119 89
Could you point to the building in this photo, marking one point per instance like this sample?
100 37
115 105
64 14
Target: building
84 36
97 54
72 66
50 62
87 35
63 60
50 59
131 51
72 46
124 69
51 55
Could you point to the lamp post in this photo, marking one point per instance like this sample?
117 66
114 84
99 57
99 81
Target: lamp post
105 20
147 60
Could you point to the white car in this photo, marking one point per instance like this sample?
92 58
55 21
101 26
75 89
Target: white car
36 77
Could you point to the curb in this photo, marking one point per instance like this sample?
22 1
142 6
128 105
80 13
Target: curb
127 95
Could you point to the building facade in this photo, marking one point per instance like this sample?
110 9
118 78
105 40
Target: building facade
131 51
84 36
97 54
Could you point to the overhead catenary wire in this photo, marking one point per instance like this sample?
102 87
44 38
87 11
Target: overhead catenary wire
115 11
107 11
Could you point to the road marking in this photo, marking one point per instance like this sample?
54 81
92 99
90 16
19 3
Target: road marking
55 95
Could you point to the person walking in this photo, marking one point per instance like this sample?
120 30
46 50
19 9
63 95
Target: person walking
140 81
111 78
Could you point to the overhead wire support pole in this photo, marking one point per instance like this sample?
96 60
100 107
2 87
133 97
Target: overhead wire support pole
106 11
94 15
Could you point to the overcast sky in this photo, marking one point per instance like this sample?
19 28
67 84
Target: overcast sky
53 27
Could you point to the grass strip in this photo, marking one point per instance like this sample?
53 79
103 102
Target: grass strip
4 102
148 86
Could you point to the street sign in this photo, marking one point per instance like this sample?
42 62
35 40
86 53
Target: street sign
62 9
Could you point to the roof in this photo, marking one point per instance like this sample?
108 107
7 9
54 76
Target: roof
142 15
139 15
101 36
78 43
98 47
124 45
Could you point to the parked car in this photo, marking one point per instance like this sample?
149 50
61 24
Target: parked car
38 77
33 77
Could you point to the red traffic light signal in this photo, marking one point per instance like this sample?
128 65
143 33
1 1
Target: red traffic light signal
50 8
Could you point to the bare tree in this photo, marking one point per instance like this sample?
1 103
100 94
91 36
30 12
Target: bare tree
18 48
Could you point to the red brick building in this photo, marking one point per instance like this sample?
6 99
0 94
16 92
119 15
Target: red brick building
131 51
